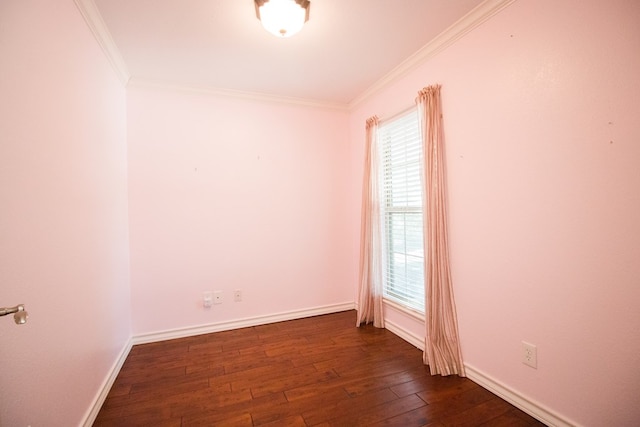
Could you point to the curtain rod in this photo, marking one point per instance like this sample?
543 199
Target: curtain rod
396 115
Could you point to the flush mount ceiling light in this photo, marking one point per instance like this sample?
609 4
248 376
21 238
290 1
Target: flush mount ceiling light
282 18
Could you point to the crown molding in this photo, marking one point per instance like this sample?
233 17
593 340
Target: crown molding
467 23
471 20
101 33
238 94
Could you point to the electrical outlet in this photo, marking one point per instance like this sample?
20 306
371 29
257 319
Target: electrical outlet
207 299
217 297
237 295
530 355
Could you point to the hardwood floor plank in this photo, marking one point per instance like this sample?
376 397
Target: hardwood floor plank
316 371
142 374
284 346
415 417
293 421
458 393
233 420
247 362
208 400
514 418
484 413
312 377
435 384
264 375
332 359
368 384
135 422
348 408
391 409
287 409
170 386
219 416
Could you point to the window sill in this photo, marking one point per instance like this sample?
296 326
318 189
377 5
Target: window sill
405 310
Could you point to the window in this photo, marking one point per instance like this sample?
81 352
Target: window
400 186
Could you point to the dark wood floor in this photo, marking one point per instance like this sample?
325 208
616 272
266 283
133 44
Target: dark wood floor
318 371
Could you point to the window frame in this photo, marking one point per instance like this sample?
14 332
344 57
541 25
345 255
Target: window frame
400 183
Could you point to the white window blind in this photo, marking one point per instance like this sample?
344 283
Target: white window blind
400 148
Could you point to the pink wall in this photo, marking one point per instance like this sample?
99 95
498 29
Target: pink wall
63 214
541 110
541 114
232 194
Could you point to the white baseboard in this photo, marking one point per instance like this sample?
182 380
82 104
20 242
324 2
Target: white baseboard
536 410
240 323
94 409
92 412
529 406
409 337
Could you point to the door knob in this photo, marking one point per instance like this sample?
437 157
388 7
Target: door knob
19 314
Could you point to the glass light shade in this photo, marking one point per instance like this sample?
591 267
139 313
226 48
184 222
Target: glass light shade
282 18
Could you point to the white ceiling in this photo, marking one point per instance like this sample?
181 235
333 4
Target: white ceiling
344 48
